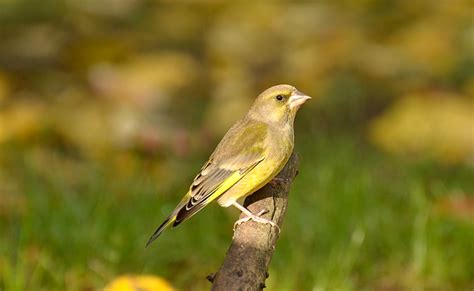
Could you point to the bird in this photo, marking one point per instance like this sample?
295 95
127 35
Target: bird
252 152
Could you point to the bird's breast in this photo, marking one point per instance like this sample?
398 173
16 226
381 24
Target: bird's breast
279 143
278 148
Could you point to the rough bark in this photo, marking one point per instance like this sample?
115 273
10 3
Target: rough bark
245 266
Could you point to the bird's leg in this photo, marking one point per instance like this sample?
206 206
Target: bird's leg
255 217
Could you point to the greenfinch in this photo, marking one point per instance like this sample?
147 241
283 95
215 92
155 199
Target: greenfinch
249 155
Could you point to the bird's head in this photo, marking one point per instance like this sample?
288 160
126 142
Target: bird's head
278 104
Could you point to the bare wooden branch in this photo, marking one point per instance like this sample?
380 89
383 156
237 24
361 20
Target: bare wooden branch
245 266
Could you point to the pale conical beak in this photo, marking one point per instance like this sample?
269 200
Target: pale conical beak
297 99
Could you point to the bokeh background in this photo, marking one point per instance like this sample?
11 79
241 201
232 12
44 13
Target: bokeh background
109 108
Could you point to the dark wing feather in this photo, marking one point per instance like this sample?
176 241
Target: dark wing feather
210 180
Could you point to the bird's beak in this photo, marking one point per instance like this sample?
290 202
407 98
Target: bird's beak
297 99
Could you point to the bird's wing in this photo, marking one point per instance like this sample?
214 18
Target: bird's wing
241 150
213 181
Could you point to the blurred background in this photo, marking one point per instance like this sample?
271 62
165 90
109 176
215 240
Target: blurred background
109 108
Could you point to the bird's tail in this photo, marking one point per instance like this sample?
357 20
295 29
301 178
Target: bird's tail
160 229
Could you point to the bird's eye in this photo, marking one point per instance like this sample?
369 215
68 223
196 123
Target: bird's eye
279 97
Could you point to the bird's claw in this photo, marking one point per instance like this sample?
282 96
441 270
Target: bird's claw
257 218
262 212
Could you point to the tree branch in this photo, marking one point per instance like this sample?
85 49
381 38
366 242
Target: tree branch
248 257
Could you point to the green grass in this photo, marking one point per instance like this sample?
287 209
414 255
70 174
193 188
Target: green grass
357 220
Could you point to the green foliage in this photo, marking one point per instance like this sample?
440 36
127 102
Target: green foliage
357 220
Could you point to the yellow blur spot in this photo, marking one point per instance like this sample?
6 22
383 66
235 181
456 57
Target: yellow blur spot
139 283
21 121
434 124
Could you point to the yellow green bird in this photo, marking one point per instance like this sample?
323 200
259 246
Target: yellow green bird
249 155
